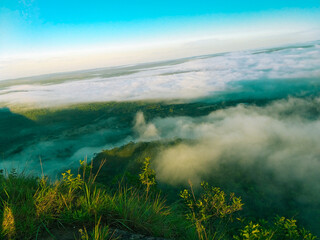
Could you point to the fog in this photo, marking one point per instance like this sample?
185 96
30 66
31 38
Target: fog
180 79
283 137
272 150
58 145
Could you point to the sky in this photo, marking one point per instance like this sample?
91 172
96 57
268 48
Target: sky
48 36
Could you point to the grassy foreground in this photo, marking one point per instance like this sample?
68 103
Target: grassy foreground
33 208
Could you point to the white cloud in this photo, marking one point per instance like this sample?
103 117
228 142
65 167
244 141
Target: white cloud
191 78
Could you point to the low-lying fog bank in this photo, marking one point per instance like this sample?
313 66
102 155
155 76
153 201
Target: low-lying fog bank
179 79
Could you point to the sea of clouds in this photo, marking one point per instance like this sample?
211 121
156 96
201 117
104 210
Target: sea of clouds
189 78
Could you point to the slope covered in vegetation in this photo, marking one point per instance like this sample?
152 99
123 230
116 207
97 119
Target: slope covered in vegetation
33 208
119 197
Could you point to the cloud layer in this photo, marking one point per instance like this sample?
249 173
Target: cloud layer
189 78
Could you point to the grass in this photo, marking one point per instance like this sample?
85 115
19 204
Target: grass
34 208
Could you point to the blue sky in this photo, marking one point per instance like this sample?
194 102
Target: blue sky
31 27
100 11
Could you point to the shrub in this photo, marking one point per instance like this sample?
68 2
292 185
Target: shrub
210 206
147 176
280 229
